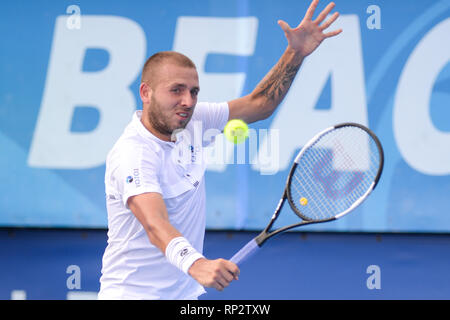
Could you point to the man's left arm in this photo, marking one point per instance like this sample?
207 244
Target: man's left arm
302 41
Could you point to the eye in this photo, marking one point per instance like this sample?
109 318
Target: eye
176 90
194 92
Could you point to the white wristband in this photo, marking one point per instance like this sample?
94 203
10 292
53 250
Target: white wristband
181 254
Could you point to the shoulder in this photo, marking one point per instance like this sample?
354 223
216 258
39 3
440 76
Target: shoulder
208 109
130 150
211 115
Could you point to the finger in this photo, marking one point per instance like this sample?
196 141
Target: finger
230 272
235 274
214 283
218 286
227 275
325 12
286 28
232 269
235 270
222 281
312 7
332 33
327 23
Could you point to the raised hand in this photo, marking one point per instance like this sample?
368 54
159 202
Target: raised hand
308 35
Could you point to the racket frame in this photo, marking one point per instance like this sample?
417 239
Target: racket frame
253 245
266 234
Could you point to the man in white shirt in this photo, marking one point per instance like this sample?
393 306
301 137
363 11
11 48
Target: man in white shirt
155 189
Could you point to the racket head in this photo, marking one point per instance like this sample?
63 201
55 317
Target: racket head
334 172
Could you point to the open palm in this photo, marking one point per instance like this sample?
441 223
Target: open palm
308 35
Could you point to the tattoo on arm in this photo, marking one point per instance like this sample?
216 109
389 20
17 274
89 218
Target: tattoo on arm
278 82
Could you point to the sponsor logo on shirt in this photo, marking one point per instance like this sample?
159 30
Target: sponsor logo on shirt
129 179
137 180
194 152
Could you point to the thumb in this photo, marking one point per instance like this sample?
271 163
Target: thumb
286 28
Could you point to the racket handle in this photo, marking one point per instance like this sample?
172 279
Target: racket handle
246 252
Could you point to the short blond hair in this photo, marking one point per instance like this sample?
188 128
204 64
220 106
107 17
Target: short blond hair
159 58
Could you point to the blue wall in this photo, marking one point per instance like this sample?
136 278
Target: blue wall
69 79
292 266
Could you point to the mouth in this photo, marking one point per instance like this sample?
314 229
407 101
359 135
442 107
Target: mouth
183 115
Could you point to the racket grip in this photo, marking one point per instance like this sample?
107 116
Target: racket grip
246 252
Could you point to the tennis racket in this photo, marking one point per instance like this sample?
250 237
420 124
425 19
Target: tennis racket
331 176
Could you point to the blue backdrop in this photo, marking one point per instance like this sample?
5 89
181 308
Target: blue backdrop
69 84
41 264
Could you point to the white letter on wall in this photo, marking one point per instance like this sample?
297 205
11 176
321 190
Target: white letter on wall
197 37
424 148
54 145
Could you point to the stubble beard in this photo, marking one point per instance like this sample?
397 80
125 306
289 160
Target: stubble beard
158 120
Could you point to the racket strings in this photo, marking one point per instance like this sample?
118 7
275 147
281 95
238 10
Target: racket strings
323 206
334 172
317 210
317 207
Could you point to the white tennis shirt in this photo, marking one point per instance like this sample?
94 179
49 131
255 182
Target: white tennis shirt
139 162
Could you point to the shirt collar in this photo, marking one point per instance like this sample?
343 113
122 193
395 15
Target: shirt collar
146 134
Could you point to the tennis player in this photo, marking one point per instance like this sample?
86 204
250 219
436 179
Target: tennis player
155 199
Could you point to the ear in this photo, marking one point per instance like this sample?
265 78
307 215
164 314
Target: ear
145 92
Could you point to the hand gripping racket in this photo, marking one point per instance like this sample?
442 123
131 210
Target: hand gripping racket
331 175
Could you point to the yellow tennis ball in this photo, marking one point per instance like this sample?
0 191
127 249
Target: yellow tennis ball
236 131
303 201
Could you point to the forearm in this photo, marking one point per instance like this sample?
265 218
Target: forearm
160 232
180 253
302 41
274 86
150 210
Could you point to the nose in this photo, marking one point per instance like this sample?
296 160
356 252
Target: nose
188 100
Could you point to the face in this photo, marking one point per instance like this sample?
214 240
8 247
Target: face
170 101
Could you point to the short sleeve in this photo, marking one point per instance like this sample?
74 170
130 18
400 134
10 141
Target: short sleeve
138 172
212 115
